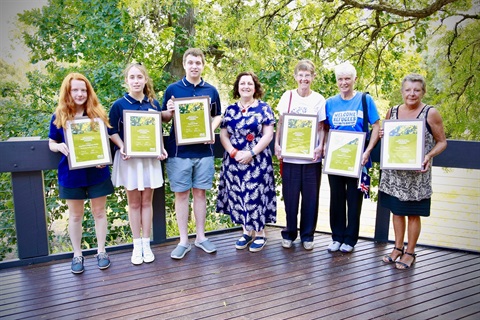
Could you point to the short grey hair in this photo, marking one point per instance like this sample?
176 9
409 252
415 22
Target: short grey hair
345 68
305 65
415 77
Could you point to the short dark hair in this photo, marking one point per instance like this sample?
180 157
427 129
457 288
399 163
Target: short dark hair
258 86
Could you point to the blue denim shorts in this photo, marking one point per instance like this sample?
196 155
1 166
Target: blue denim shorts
187 173
91 192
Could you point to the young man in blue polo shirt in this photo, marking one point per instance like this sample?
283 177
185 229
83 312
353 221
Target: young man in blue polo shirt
191 166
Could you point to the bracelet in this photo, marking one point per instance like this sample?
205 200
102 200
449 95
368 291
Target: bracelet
252 153
233 153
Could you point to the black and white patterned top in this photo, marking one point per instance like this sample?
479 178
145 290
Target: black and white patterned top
410 185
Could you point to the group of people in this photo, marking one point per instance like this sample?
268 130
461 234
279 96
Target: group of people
247 187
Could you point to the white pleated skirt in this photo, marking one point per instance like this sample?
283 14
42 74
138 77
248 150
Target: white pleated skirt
137 173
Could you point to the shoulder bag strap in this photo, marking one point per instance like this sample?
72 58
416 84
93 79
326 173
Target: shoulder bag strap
365 113
289 102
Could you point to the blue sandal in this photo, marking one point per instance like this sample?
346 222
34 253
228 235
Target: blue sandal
243 242
258 244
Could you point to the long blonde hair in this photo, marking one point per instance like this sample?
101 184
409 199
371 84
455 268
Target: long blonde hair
66 109
148 89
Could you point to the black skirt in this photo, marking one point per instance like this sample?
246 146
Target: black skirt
405 208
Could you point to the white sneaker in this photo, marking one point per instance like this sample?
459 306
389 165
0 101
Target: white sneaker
148 255
137 256
346 248
308 245
287 244
334 246
147 251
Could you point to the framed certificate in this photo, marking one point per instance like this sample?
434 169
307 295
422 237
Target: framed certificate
403 144
192 120
87 142
142 133
299 135
344 151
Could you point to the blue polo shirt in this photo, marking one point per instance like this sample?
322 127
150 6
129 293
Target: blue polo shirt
127 103
79 177
185 89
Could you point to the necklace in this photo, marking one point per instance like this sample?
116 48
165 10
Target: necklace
245 107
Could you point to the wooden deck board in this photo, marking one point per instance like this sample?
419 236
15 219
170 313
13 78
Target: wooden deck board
235 284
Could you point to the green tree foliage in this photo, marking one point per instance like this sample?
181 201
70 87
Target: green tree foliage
455 85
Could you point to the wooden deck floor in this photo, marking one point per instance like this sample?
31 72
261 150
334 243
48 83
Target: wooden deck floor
275 283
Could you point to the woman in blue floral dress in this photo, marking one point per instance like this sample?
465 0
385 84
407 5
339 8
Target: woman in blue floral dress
247 186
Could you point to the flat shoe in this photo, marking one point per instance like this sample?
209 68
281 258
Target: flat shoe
258 244
206 246
388 259
403 265
180 251
243 242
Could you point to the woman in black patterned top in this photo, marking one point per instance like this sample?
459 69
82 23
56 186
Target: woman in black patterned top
408 193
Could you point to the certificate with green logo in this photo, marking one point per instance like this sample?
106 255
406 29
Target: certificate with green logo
192 120
87 142
142 133
344 151
299 136
403 144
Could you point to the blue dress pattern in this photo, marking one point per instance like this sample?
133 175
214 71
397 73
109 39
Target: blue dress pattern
247 191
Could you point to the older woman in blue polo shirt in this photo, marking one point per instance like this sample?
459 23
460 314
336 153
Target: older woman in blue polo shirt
345 112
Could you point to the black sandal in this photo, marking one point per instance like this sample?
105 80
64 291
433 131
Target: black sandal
403 265
388 259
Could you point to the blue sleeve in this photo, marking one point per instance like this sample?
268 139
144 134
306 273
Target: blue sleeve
166 97
157 104
373 115
216 106
55 133
114 116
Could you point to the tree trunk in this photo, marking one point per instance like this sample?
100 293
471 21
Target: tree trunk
184 39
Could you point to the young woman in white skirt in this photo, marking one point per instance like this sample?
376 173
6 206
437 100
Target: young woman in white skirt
139 176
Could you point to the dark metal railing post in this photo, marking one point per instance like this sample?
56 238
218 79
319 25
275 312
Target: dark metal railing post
30 214
159 224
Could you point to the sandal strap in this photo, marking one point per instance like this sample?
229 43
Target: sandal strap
245 237
398 249
260 239
411 254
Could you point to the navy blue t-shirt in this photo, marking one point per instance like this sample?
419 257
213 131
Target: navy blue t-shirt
185 89
77 178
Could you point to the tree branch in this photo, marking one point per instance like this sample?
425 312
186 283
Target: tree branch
436 6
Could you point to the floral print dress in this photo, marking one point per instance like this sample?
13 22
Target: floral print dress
247 191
